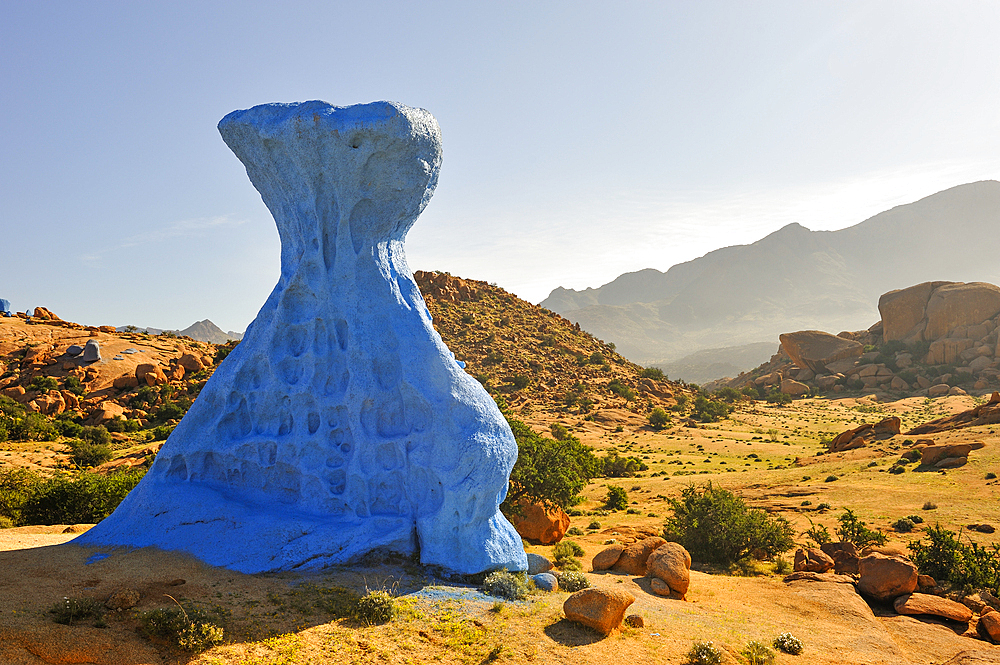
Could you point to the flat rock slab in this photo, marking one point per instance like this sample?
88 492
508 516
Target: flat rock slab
924 603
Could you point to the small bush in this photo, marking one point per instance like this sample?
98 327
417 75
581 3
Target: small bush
43 384
85 453
616 499
903 525
97 435
716 526
74 385
750 391
32 427
559 431
616 466
594 524
620 389
573 581
853 530
788 643
916 519
823 506
782 566
119 424
709 410
505 584
81 499
75 609
991 476
819 535
658 418
189 628
758 653
778 397
704 653
564 555
897 469
652 373
945 557
69 429
376 607
929 505
575 531
831 479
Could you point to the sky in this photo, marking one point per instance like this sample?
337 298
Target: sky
581 139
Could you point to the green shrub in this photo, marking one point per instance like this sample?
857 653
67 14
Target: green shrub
222 352
73 499
575 531
596 358
750 391
788 643
74 385
566 552
144 398
709 410
831 479
616 499
819 535
187 627
32 427
652 373
376 607
903 525
97 435
169 411
758 653
594 524
615 466
519 381
897 469
16 486
69 610
620 389
991 476
559 431
782 566
161 432
929 505
658 418
43 384
916 519
727 394
778 397
716 526
853 530
86 453
505 584
573 581
945 557
69 429
704 653
119 424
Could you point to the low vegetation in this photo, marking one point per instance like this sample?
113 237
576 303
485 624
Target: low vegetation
64 498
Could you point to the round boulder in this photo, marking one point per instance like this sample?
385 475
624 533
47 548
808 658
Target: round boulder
608 557
538 564
634 558
545 581
886 577
812 560
671 564
600 609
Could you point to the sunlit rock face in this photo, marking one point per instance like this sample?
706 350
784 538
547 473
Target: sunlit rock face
341 424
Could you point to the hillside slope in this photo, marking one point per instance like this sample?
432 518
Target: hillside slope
793 279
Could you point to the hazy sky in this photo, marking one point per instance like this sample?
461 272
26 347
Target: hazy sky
581 139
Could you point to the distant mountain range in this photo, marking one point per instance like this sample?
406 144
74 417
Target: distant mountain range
793 279
203 331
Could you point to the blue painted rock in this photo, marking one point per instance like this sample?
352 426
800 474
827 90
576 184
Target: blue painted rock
92 351
545 581
341 424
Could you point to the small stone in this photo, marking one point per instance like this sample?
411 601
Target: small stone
634 621
538 564
545 581
74 350
926 582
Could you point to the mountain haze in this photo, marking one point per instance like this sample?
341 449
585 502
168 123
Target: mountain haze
203 331
792 279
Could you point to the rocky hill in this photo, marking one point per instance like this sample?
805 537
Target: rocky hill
793 279
203 331
546 368
934 339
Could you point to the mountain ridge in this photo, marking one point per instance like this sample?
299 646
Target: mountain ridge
793 278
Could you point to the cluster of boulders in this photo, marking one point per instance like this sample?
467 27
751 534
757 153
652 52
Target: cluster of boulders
859 437
892 578
943 334
445 288
668 565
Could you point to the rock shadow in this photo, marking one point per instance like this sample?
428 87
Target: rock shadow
571 634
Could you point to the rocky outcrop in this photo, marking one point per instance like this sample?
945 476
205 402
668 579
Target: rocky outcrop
815 349
600 609
845 557
859 437
985 414
932 310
